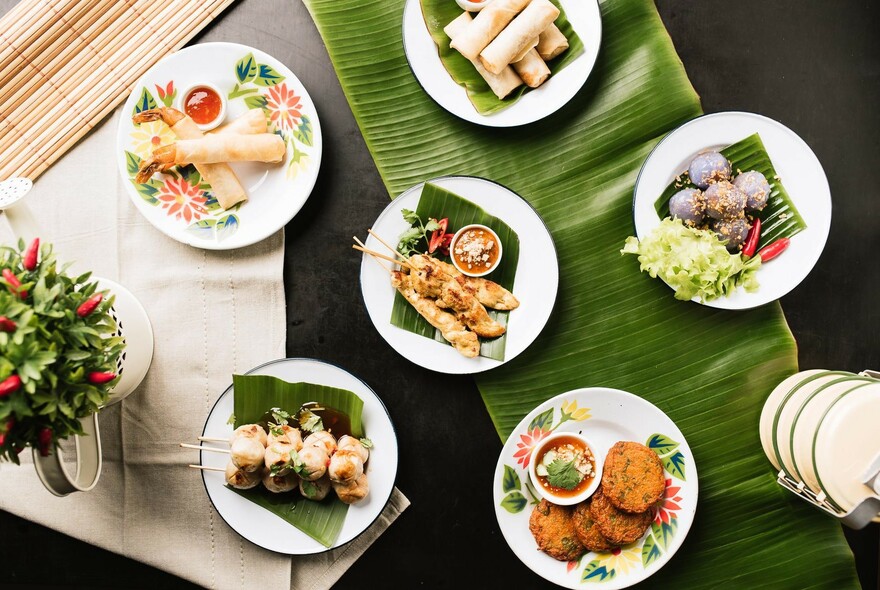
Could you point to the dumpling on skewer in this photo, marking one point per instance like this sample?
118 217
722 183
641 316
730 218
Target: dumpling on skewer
279 484
249 431
242 480
345 466
247 453
285 433
313 462
322 438
315 490
278 458
350 443
352 491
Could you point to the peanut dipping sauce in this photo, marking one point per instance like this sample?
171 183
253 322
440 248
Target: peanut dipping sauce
564 447
476 250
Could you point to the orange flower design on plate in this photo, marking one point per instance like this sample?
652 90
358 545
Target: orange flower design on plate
670 503
527 442
284 108
182 200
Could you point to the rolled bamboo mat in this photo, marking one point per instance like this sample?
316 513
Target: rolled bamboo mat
65 64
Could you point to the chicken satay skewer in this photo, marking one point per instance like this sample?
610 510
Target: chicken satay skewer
379 262
383 242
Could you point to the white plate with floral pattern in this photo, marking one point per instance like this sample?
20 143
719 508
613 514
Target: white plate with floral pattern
605 416
179 203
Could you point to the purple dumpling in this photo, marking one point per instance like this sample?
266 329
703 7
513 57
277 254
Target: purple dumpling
755 186
707 168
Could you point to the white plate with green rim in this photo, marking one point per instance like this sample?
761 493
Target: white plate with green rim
605 416
798 169
771 406
178 202
561 87
265 529
535 284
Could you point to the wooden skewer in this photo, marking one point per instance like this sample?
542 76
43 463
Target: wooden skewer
383 242
206 468
201 448
379 262
382 256
213 439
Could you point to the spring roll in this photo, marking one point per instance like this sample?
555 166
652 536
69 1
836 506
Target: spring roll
532 69
529 46
264 147
501 84
250 123
510 42
551 43
486 26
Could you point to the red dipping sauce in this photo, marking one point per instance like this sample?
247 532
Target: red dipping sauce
203 105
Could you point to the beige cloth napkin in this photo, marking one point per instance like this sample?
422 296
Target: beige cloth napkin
212 313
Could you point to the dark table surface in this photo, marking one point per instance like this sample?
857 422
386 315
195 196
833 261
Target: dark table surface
814 66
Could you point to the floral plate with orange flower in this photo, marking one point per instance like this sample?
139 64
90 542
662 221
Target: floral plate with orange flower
605 416
179 202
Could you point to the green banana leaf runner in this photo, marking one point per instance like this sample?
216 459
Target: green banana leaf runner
257 394
438 203
779 218
709 370
440 13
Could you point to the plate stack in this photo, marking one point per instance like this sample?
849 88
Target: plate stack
819 429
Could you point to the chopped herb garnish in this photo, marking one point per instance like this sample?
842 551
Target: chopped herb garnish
309 421
409 242
298 466
231 419
367 443
280 416
275 429
562 474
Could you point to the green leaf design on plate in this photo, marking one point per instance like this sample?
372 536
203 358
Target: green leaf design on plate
542 420
674 464
148 190
514 502
203 229
303 133
246 68
661 444
191 174
227 226
255 102
650 550
437 202
780 217
596 572
439 13
510 481
132 163
145 102
663 532
267 76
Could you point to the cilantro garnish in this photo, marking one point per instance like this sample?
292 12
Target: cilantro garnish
367 443
562 474
309 421
409 241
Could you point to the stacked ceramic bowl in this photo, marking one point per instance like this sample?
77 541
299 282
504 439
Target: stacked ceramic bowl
821 430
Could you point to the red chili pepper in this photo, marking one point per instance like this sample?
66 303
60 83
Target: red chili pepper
44 437
768 253
2 439
89 305
14 283
98 378
10 385
7 325
752 239
30 256
437 235
445 243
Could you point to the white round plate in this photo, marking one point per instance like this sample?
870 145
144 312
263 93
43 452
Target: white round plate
183 208
605 416
424 60
798 168
535 284
261 527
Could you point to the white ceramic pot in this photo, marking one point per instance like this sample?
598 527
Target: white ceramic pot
134 326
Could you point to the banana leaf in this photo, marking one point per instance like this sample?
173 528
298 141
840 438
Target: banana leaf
709 370
438 202
779 218
439 13
257 394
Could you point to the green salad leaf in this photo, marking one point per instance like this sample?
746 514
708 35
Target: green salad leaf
692 261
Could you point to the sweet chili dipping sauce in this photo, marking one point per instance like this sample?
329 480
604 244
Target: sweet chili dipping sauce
202 104
566 449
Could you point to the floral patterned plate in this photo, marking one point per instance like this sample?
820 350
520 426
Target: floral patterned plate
605 416
180 203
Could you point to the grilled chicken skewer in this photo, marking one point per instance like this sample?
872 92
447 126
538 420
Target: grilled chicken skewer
463 340
488 293
453 296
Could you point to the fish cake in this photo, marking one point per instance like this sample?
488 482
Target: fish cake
587 531
553 529
617 526
632 478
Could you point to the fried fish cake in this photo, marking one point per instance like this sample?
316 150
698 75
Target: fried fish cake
553 529
615 525
587 531
632 478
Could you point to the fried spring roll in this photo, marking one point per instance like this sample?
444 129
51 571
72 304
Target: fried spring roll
510 42
501 84
486 26
532 69
551 42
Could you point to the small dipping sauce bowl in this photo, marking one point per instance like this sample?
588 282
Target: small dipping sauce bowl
565 447
472 6
475 250
205 105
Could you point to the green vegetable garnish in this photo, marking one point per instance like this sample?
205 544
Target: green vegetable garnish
231 419
367 443
280 416
309 421
275 429
409 241
562 474
692 261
